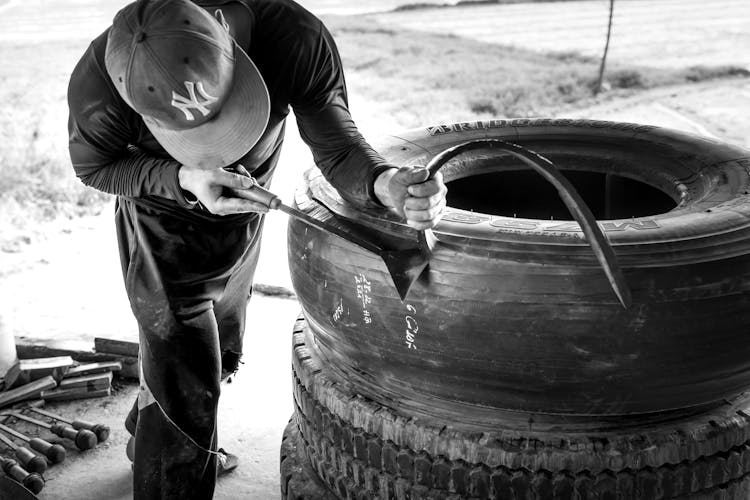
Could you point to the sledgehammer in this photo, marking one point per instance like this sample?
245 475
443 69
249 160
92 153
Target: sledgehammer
33 481
101 430
29 460
83 438
55 452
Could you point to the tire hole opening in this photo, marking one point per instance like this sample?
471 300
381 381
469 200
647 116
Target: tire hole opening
525 194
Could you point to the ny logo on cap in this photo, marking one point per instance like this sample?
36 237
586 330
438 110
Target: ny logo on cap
187 103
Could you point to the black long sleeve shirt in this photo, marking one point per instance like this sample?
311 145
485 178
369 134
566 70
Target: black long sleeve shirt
112 150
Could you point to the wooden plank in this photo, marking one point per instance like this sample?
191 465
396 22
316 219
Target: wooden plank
113 346
74 393
130 368
28 370
31 390
91 368
29 351
96 381
129 363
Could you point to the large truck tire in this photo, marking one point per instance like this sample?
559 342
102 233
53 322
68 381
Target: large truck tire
515 313
364 450
299 481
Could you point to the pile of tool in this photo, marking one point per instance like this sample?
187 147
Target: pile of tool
25 454
32 454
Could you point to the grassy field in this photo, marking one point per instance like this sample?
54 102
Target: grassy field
425 78
370 6
657 33
36 180
416 78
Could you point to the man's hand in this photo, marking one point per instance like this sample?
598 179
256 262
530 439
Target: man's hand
409 192
212 187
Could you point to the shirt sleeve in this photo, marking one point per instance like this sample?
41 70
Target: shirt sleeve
102 129
321 107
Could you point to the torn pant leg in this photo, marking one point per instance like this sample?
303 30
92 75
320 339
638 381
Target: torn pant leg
231 310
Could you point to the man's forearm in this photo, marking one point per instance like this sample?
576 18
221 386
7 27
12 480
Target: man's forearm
353 172
136 175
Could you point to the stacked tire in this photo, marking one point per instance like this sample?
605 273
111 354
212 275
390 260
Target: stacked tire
511 371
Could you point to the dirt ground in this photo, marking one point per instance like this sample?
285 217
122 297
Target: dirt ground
686 32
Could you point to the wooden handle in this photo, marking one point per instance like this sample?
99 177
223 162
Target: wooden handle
32 481
54 452
31 461
84 439
100 430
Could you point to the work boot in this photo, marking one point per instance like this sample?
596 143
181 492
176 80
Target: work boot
130 449
230 363
225 462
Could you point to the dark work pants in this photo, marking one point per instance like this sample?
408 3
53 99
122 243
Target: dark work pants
188 277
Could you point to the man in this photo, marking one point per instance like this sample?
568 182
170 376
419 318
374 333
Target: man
166 106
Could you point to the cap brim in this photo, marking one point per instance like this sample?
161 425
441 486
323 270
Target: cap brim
233 132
